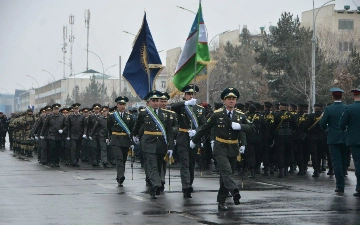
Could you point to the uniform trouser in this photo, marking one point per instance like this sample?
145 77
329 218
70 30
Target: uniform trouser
66 156
187 165
11 139
316 148
75 150
227 182
85 149
284 151
44 151
250 155
265 153
120 154
355 151
39 146
339 153
111 157
153 164
306 152
298 153
96 150
2 139
55 149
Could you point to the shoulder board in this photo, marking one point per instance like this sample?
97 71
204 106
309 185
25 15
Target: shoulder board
218 110
142 110
166 110
239 111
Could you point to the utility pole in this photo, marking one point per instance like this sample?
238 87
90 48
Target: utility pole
87 25
64 46
71 40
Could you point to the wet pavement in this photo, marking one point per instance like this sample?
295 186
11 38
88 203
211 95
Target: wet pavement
31 193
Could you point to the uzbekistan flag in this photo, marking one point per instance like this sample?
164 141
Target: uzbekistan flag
194 55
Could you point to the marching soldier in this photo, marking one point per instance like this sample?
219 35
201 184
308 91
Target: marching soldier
299 137
157 139
268 139
95 152
77 129
226 127
285 125
53 127
120 125
336 138
26 123
86 143
350 121
3 129
190 117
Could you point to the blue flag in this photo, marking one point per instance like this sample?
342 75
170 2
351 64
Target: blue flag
144 63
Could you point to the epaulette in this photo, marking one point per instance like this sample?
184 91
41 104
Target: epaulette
142 109
239 111
166 110
218 110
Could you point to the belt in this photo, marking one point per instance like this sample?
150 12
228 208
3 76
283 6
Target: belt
152 132
183 130
119 133
226 141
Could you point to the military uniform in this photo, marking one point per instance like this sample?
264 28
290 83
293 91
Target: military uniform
299 136
120 125
95 150
268 137
186 114
226 145
155 141
336 138
350 122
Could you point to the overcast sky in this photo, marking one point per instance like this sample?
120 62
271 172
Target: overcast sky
32 31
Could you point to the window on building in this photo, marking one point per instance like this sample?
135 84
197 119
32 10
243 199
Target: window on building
346 24
345 46
163 84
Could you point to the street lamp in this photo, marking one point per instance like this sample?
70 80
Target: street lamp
110 67
313 54
129 33
103 83
37 88
186 9
21 86
207 78
52 83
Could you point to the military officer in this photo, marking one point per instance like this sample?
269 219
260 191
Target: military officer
95 152
120 125
226 127
336 138
53 127
157 138
190 117
350 121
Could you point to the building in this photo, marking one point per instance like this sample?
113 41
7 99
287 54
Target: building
7 103
337 28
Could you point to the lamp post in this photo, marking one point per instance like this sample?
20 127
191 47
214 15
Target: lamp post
313 53
185 9
20 86
103 82
52 83
129 33
207 78
37 88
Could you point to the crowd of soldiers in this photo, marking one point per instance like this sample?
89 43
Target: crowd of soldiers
234 136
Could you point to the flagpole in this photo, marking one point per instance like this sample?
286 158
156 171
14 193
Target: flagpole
198 32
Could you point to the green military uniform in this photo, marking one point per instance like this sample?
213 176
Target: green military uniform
350 121
226 145
336 137
190 117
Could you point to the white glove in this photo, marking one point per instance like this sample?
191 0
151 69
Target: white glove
132 147
36 138
41 137
192 144
192 133
212 145
84 136
32 138
136 140
90 138
68 138
235 126
174 142
170 152
60 131
107 141
191 102
242 149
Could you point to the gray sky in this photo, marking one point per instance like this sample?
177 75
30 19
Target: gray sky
31 30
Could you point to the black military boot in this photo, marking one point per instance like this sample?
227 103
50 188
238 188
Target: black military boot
331 171
281 173
292 168
266 171
301 171
222 206
316 173
252 174
323 166
257 170
187 192
285 172
272 170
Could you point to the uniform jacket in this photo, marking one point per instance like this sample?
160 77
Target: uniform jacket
91 123
154 143
52 124
313 129
285 123
185 122
220 124
302 121
350 121
113 126
331 121
258 120
76 125
100 128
